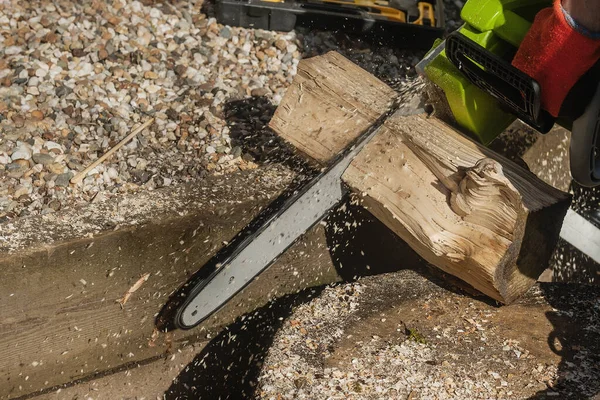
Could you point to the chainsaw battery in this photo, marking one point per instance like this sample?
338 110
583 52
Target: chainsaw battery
408 23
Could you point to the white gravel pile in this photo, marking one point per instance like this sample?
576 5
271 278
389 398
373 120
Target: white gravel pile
77 77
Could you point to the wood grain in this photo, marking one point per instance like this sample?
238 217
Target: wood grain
463 208
59 320
329 103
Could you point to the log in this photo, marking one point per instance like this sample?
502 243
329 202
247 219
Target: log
329 103
463 208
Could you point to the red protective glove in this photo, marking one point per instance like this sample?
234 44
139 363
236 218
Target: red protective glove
556 55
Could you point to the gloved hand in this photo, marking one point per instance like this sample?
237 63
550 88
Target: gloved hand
556 53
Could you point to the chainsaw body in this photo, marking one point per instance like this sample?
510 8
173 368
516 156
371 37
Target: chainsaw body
485 93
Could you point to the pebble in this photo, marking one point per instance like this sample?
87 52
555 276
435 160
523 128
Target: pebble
63 180
37 115
112 173
259 92
83 90
281 44
150 75
49 145
236 151
262 34
44 159
18 121
15 170
22 152
56 168
181 69
12 50
20 190
152 89
225 32
4 203
74 164
61 91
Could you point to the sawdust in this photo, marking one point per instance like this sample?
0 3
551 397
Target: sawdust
398 336
133 209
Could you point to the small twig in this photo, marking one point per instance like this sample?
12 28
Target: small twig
174 9
138 284
79 177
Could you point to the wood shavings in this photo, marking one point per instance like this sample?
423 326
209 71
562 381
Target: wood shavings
152 341
138 284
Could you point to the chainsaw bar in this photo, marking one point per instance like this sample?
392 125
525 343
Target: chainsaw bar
278 228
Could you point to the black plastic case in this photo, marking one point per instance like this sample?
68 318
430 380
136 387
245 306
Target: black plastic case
286 16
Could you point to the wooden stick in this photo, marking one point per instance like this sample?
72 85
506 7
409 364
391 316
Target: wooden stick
79 177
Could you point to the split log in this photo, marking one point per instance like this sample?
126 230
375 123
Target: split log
329 103
462 207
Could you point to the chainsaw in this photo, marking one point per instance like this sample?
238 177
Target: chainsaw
475 84
472 76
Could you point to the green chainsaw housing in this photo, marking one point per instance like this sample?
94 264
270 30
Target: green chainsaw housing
498 26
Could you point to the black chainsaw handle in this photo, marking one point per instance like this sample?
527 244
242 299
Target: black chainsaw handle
515 90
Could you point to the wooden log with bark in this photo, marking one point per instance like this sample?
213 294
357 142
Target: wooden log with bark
462 207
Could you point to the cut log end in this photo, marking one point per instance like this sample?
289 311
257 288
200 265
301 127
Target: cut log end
458 206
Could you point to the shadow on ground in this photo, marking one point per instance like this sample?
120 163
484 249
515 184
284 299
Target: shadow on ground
248 121
229 366
360 245
575 338
576 315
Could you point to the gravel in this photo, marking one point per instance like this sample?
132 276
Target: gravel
76 78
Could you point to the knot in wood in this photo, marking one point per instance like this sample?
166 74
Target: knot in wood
485 196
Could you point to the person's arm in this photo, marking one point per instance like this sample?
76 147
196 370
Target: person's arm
585 13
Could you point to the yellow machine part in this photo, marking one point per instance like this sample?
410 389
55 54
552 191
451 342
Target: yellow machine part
390 13
425 8
384 10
